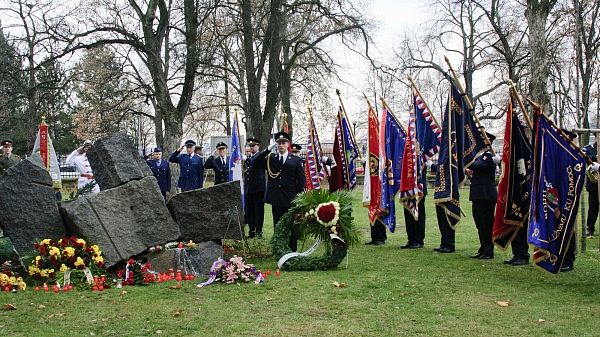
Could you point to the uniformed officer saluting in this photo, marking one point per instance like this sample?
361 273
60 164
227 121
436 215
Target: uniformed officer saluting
7 158
191 167
218 162
285 180
161 171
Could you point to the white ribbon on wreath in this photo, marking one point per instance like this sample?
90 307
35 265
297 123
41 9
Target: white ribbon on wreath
309 251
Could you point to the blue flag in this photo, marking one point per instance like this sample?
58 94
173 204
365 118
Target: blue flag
235 160
429 135
392 143
557 179
461 144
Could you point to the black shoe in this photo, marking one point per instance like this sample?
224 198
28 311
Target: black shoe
446 250
486 257
370 242
476 256
566 268
416 246
437 249
378 243
588 233
407 245
511 261
520 262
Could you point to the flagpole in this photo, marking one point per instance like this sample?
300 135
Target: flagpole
339 94
560 132
385 105
514 90
423 99
462 90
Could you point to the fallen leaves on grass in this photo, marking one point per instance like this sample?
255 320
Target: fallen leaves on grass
269 298
339 284
9 306
503 304
123 292
178 286
159 331
176 313
541 320
41 306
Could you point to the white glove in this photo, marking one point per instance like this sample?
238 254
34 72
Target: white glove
271 146
497 159
244 157
596 167
324 159
428 163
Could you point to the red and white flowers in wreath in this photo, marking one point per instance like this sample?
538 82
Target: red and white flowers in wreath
327 214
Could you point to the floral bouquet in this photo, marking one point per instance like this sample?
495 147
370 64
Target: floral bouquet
234 271
11 280
172 245
136 273
320 213
56 257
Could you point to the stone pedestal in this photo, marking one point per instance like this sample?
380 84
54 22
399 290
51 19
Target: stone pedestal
188 260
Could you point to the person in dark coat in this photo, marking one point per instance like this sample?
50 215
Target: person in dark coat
161 171
484 194
285 180
415 228
254 189
219 164
191 167
591 150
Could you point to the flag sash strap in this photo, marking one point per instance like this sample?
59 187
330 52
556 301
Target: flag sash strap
558 174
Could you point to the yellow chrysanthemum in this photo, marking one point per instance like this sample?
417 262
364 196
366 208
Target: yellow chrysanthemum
98 259
44 272
63 268
12 280
33 270
54 251
45 241
37 258
81 241
22 285
3 279
79 262
69 251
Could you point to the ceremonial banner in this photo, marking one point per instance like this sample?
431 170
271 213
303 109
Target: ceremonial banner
345 152
235 160
392 141
461 144
313 169
557 179
411 189
43 146
512 207
372 186
429 135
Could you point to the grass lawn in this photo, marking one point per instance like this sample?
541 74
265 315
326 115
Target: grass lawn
388 292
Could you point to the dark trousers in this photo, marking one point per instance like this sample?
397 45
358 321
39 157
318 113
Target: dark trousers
592 211
255 213
415 229
448 234
519 245
378 231
278 212
570 253
483 214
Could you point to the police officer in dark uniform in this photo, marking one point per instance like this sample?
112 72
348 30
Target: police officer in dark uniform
191 167
285 180
591 150
161 171
254 190
218 162
484 194
415 228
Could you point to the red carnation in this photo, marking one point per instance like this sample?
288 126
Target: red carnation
36 246
120 273
131 261
51 274
326 213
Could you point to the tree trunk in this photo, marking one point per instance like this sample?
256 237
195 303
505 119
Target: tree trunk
537 16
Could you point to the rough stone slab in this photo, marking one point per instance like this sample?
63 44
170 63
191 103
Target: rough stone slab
190 261
210 213
28 203
115 161
123 221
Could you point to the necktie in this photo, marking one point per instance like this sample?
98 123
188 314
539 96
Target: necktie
281 159
223 161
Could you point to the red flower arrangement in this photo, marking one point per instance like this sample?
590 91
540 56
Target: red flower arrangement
136 273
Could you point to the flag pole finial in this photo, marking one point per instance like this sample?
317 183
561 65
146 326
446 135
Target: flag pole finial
44 118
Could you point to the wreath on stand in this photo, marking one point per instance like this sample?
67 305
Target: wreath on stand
323 215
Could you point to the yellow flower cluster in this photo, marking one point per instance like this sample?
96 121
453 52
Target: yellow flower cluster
6 280
78 263
69 251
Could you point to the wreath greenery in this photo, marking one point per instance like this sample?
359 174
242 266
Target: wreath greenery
317 213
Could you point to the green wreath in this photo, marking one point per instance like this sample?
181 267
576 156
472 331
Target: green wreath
317 213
